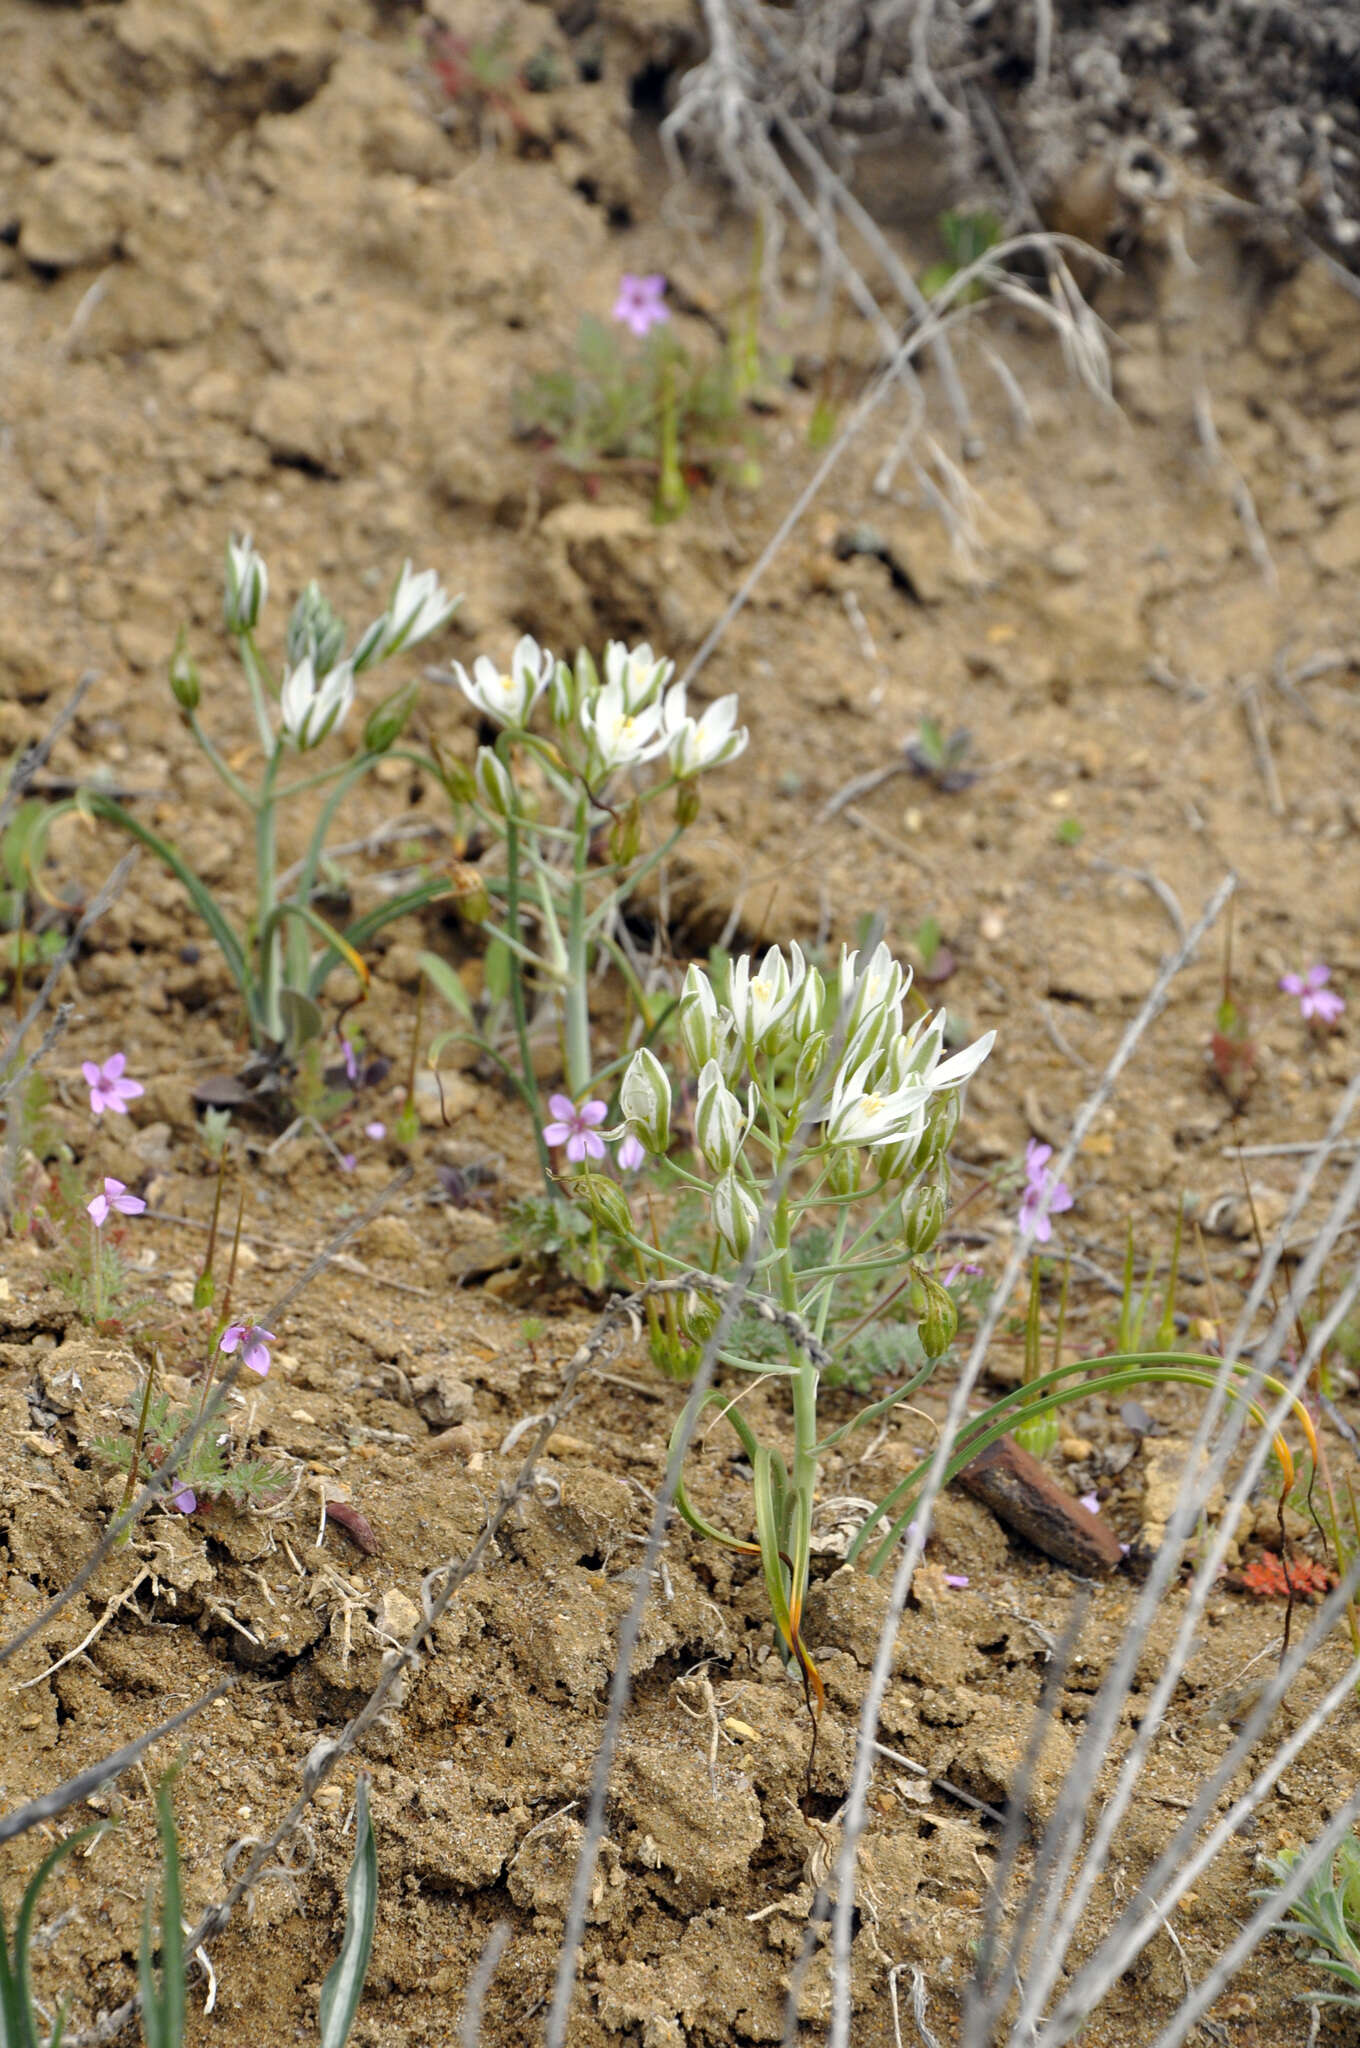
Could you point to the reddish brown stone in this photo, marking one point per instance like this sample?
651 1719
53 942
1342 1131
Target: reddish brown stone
1024 1495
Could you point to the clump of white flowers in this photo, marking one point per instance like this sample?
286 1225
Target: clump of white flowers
582 754
791 1066
817 1152
279 970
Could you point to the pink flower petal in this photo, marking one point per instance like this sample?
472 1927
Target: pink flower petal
591 1113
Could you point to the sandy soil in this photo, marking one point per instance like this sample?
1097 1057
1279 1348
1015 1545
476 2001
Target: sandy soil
261 273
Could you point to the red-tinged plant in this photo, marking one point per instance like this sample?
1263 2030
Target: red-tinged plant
1270 1579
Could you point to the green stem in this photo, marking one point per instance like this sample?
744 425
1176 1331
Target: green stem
96 1277
266 868
634 877
296 941
576 1029
227 775
519 1007
260 691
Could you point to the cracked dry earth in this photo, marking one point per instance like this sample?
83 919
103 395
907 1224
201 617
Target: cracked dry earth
258 272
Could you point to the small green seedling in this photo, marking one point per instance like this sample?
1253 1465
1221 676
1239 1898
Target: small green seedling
1328 1912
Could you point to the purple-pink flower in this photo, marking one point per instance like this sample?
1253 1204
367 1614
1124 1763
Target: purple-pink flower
1044 1196
113 1195
253 1343
375 1130
641 302
631 1152
108 1087
575 1128
184 1498
1316 1000
966 1266
958 1581
1090 1501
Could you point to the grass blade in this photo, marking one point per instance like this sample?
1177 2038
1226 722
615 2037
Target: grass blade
344 1983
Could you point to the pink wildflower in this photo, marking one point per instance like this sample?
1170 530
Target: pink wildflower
1090 1501
1316 1000
375 1130
631 1153
640 302
575 1128
108 1087
114 1195
1044 1196
184 1498
957 1580
253 1343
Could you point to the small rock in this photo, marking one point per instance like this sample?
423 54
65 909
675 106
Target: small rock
396 1615
442 1398
401 964
389 1237
1166 1478
1067 562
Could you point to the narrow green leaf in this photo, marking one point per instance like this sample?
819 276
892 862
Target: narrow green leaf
344 1983
447 984
19 1990
202 898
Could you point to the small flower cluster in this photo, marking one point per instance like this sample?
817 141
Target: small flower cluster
568 804
316 694
871 1082
624 721
789 1062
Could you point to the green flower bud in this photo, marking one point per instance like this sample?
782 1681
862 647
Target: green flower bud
735 1214
247 586
843 1173
604 1202
699 1315
943 1112
719 1125
937 1316
493 785
811 1060
625 835
315 629
386 722
923 1213
688 802
471 898
645 1100
184 674
699 1018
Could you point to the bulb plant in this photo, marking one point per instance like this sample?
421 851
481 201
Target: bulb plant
814 1100
275 960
